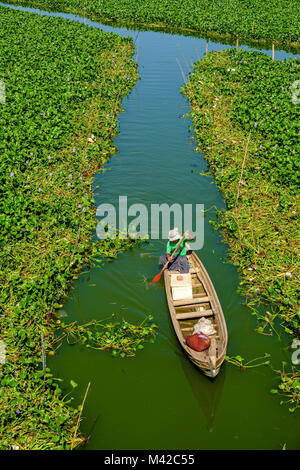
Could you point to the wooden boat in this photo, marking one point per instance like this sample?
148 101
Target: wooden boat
203 302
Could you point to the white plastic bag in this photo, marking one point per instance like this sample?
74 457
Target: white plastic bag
204 325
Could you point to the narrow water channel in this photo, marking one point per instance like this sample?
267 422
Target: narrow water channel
159 400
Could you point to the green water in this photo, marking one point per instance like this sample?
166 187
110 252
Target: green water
159 400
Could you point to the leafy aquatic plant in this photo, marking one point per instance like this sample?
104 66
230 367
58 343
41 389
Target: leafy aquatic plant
64 82
289 387
242 365
256 20
247 127
112 246
241 109
121 338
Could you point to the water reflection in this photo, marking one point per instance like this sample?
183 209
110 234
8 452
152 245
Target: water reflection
207 392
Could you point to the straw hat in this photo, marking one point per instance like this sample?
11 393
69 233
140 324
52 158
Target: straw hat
174 235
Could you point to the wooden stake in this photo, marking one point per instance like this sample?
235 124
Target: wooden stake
206 49
273 52
242 169
253 242
78 421
237 44
252 26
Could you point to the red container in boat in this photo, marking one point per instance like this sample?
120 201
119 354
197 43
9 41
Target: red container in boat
198 341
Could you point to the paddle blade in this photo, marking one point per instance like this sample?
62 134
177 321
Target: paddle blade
156 278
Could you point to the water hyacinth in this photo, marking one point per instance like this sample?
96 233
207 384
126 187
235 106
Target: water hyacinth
41 228
224 18
272 181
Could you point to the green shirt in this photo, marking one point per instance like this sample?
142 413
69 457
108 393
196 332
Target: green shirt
172 245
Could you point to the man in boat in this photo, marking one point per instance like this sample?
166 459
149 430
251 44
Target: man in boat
179 261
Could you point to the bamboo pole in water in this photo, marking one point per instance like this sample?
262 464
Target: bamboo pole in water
237 44
78 421
273 52
182 72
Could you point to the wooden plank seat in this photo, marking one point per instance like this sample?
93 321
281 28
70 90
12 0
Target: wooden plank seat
199 295
197 300
201 313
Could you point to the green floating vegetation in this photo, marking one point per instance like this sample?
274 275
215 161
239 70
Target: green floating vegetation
242 365
247 126
289 385
289 388
34 412
121 338
256 20
63 83
112 247
114 244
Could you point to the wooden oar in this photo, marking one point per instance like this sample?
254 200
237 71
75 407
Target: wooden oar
158 276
